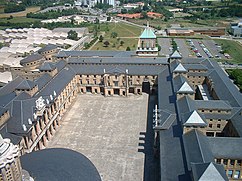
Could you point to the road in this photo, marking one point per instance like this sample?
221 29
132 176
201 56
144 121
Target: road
183 48
165 44
79 43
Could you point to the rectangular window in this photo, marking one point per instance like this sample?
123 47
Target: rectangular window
232 162
239 162
230 173
225 161
236 174
218 125
210 125
218 161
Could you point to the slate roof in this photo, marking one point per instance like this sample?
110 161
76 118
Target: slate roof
181 86
11 86
180 68
197 148
148 33
185 88
26 84
173 164
167 118
43 80
195 67
176 55
31 58
102 53
194 119
208 172
14 138
237 123
226 147
5 99
47 66
58 83
186 104
48 47
2 110
224 87
21 111
118 60
132 69
213 104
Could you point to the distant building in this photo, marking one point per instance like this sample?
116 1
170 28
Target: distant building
211 31
129 16
236 29
92 3
180 32
154 15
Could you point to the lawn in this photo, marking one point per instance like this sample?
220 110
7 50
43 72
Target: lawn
127 33
22 13
115 44
233 48
122 29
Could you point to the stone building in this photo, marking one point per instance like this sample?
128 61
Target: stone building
198 105
10 167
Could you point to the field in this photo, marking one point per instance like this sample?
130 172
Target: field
19 14
127 33
234 49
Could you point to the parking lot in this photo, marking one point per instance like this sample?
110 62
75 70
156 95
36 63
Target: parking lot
110 131
183 48
191 48
214 48
165 44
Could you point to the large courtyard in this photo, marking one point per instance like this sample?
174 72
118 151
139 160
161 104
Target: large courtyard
113 133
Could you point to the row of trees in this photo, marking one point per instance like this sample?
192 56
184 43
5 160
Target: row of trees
12 7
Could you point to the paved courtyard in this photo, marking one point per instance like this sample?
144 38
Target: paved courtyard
109 131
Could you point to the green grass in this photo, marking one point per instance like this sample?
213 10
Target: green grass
19 20
233 48
127 33
128 42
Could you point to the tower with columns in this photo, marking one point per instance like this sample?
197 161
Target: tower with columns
147 43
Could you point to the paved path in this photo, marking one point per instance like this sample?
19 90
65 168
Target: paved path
110 131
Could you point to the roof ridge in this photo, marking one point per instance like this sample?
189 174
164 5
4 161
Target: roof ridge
199 144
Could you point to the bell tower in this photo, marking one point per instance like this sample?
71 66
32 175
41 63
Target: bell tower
147 43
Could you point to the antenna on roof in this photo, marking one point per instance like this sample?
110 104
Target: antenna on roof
54 93
104 71
29 121
127 71
24 127
51 97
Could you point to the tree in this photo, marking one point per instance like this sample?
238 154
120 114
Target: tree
72 35
144 15
106 43
114 35
121 43
101 38
128 49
